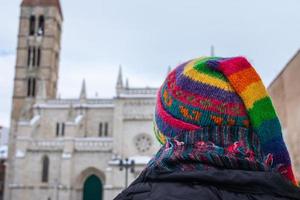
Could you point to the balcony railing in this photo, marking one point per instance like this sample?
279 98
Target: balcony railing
79 144
93 144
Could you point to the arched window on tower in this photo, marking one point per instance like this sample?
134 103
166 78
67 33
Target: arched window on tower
45 169
31 25
34 57
31 87
41 29
33 61
29 58
38 62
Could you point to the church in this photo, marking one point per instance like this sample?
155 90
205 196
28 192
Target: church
70 149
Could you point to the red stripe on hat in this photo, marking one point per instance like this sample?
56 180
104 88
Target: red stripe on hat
232 65
170 119
287 171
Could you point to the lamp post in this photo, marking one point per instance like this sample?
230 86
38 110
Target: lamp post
126 164
56 188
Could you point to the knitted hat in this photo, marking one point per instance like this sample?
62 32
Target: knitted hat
222 104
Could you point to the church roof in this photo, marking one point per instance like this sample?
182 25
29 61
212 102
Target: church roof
55 3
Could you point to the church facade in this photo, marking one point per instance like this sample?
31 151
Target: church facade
70 149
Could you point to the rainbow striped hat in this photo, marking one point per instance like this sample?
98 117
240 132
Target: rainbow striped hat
217 94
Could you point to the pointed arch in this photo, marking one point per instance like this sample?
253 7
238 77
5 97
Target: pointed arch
31 87
41 27
82 177
32 25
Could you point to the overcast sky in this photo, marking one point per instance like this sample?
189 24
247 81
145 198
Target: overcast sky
146 36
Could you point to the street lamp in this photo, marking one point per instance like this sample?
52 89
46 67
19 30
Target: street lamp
126 164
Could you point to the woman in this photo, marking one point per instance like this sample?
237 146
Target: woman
221 138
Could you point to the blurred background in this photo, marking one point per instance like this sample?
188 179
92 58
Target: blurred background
79 79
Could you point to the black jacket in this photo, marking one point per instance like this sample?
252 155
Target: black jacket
210 185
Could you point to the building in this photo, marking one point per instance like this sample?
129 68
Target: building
69 148
3 156
285 92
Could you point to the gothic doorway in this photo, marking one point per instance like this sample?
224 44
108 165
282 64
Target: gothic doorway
92 188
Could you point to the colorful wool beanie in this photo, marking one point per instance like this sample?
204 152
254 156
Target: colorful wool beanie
215 113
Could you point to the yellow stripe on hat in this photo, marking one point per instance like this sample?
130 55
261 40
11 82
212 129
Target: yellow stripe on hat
253 93
192 73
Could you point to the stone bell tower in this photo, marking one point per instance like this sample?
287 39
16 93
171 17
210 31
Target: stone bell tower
38 53
37 65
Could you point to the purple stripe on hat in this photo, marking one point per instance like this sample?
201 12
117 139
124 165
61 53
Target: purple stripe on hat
203 89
